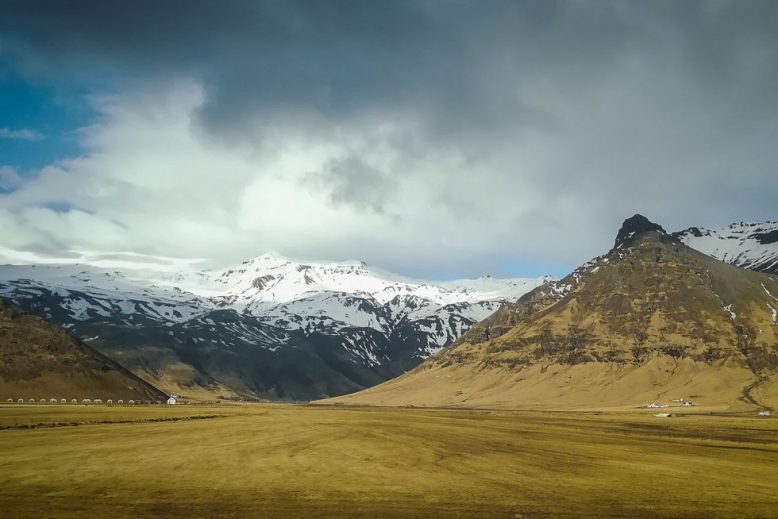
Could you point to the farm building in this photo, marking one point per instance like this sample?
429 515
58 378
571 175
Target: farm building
171 400
63 401
74 401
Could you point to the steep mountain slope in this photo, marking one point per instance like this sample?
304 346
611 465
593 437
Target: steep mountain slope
749 245
41 361
269 327
651 320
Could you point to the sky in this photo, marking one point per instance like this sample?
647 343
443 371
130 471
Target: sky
437 139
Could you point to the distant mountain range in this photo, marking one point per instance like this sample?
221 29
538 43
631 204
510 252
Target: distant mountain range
651 322
279 329
269 327
749 245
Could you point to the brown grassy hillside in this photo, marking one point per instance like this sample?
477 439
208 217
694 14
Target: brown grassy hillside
650 320
39 360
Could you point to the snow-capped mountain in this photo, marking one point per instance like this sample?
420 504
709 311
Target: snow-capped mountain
269 326
749 245
302 296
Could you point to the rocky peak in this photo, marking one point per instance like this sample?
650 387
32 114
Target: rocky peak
635 226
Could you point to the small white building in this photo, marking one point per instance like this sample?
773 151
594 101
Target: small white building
172 400
764 413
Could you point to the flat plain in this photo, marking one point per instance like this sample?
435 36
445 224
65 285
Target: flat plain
270 460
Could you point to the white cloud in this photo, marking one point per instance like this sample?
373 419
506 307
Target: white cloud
121 259
154 181
22 134
9 178
463 138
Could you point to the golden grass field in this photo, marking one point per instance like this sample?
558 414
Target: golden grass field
268 460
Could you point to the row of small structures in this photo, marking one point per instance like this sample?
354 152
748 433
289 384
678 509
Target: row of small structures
89 401
686 403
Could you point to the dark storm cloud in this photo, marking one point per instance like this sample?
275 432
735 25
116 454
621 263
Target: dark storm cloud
532 118
456 61
354 182
459 63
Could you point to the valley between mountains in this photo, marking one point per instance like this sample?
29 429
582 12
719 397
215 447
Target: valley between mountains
267 328
652 317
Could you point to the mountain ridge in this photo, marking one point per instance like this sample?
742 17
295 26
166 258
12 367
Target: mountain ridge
649 319
280 329
290 323
751 245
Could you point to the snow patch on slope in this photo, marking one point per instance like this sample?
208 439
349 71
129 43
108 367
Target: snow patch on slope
343 299
749 245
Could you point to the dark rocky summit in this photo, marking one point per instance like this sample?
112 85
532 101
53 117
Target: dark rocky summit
633 227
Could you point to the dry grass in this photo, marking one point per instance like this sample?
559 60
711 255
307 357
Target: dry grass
44 416
285 461
717 387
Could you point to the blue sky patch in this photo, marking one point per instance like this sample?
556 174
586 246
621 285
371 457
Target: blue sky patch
38 124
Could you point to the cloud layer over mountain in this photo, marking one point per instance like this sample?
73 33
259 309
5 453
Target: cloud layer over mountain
425 137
